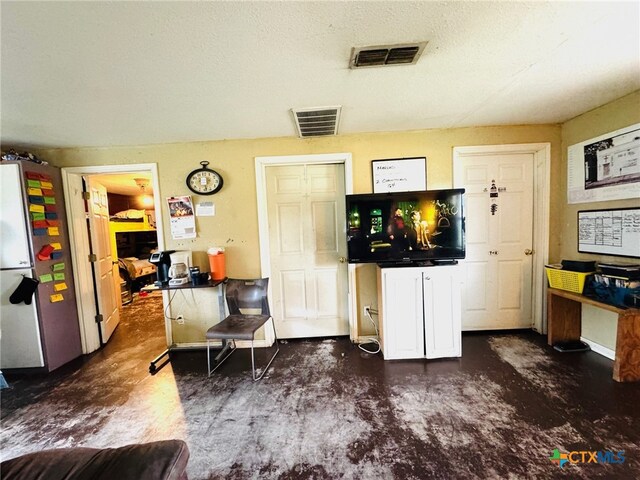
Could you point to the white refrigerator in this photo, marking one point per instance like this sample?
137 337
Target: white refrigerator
42 334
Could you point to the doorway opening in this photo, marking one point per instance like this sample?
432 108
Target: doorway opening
132 231
122 209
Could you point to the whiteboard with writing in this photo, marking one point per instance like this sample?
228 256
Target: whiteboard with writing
399 175
610 232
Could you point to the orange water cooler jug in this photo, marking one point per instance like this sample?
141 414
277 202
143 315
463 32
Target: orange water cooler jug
217 265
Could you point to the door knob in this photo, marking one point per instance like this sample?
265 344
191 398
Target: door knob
528 251
342 259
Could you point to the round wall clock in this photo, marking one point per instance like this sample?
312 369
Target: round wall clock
204 181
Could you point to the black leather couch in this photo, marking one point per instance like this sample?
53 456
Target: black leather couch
164 460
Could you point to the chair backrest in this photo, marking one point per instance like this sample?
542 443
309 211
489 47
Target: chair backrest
247 294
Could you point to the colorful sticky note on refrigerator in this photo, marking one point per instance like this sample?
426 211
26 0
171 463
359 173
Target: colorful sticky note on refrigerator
36 208
36 199
39 232
56 246
49 208
47 277
53 231
39 223
56 255
58 287
33 183
37 217
50 200
51 215
45 184
53 223
33 175
58 277
56 297
34 191
47 192
57 267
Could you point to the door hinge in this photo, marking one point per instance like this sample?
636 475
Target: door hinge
93 257
86 195
99 318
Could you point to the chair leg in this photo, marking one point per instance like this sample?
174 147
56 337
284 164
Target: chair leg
208 358
219 362
253 366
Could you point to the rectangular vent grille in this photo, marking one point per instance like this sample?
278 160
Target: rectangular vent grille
386 55
317 122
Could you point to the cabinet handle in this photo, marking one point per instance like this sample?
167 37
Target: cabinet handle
427 278
528 251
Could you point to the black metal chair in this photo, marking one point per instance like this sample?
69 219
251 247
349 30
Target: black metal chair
242 295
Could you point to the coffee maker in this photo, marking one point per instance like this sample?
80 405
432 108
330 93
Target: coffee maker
162 261
181 261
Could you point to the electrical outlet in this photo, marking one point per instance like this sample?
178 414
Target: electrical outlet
180 319
365 310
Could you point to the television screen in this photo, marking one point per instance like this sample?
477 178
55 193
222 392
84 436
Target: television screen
410 227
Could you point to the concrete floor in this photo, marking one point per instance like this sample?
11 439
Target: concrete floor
328 410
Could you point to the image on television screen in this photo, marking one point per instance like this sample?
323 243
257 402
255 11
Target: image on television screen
405 227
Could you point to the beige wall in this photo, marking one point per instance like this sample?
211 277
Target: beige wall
235 224
597 325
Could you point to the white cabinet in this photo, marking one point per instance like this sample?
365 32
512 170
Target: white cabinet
420 313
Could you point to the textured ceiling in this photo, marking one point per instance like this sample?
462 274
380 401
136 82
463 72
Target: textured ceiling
135 73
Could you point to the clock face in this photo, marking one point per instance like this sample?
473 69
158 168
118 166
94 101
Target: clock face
204 181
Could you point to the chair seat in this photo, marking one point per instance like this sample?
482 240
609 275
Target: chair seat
237 327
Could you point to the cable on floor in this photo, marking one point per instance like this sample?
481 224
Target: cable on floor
375 340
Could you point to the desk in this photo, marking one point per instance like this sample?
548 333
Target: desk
153 367
564 316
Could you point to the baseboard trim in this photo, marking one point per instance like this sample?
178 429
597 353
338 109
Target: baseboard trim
596 347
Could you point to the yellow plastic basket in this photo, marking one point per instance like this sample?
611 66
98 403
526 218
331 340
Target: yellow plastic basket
566 279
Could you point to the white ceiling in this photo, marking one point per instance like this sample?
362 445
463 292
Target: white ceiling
135 73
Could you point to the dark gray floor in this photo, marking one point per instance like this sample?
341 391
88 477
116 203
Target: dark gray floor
328 410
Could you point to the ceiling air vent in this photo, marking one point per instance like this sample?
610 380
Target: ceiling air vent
316 122
386 55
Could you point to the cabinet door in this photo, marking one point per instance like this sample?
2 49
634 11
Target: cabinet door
442 319
403 329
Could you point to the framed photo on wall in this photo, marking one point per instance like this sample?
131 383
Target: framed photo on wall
605 168
399 175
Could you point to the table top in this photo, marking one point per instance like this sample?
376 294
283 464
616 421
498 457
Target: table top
590 301
209 284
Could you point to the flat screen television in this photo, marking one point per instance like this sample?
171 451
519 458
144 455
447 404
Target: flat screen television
406 228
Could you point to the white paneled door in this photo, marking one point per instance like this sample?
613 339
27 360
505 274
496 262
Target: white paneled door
103 266
306 215
497 291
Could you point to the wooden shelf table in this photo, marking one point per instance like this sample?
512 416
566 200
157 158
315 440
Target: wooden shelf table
564 317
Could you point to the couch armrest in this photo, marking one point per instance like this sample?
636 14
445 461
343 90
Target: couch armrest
163 460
